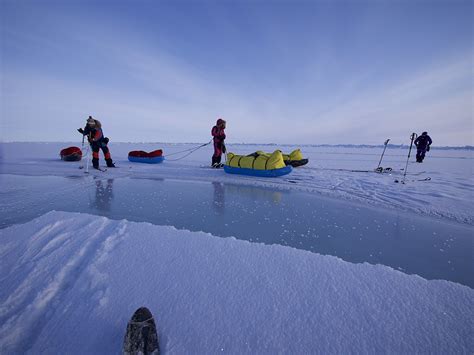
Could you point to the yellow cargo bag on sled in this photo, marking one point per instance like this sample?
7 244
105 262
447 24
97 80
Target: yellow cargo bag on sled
294 155
258 160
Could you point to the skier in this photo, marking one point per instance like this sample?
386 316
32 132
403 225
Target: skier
219 146
422 143
95 136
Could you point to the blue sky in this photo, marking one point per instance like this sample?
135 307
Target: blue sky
308 72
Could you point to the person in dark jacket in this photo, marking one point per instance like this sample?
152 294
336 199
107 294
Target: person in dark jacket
218 135
422 143
95 136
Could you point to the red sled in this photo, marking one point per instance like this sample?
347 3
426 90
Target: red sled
71 154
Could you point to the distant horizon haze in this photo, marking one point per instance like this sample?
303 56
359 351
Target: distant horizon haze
230 143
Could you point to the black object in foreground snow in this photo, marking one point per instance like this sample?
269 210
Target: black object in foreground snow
141 336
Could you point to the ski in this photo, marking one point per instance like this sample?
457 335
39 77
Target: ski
99 169
211 167
141 336
403 181
378 170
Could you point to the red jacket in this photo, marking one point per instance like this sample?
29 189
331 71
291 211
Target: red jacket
218 134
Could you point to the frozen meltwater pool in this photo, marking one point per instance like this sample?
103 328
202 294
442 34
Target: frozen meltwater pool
431 248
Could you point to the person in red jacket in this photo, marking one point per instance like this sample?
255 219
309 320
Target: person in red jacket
218 135
95 136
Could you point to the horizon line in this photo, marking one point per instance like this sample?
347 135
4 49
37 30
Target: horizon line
361 145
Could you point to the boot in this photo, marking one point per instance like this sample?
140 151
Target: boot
95 163
109 162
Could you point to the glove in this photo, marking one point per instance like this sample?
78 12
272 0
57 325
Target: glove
81 131
224 149
428 148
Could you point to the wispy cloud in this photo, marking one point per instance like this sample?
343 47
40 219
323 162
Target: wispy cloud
143 92
420 101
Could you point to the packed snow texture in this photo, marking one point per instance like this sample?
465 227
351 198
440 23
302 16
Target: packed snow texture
70 282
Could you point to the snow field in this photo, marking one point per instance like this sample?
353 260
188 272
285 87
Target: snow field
71 281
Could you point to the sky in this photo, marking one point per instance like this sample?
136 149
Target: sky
309 72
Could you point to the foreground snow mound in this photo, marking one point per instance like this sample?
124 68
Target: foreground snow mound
71 281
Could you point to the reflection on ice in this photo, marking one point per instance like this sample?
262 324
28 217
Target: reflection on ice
432 248
219 197
103 194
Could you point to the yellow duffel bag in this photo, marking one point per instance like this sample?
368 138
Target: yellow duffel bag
257 160
294 155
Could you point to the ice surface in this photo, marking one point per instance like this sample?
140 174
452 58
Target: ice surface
71 281
449 194
356 232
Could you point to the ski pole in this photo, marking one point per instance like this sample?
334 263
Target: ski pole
412 137
380 161
87 159
82 150
88 153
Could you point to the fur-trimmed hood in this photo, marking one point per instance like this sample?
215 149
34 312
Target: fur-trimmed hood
97 123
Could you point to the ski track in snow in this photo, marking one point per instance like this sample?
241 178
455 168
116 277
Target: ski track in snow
73 283
43 278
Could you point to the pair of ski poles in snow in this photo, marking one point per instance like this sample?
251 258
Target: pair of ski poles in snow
380 169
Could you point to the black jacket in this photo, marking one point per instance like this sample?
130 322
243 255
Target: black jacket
423 141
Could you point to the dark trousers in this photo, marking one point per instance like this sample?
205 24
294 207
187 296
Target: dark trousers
420 154
95 154
216 158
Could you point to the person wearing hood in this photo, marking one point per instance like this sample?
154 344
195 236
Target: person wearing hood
218 135
422 143
95 136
